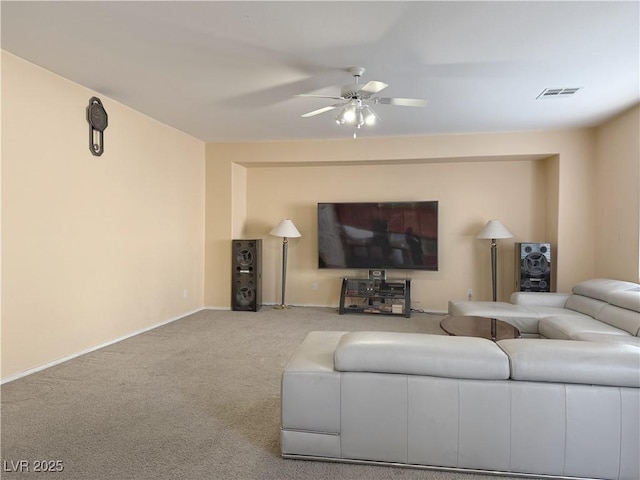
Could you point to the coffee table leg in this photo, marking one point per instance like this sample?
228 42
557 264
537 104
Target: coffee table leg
494 332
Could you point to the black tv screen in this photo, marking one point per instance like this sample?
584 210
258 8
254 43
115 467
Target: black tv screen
383 235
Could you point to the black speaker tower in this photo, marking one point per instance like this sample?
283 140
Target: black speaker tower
533 267
246 275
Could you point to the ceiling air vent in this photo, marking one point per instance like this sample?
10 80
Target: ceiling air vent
558 92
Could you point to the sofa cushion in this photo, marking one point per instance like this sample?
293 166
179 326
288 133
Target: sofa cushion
627 320
543 311
628 298
571 361
421 354
563 327
539 299
608 338
587 305
601 288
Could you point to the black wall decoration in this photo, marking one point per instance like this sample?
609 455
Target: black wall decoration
98 121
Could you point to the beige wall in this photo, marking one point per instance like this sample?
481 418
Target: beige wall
618 198
540 184
550 199
466 191
93 248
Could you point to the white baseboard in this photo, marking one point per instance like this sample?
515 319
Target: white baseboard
268 305
92 349
300 305
434 312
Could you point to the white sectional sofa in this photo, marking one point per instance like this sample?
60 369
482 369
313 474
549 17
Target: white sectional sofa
598 309
562 408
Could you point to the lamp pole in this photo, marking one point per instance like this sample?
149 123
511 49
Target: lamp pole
494 268
285 247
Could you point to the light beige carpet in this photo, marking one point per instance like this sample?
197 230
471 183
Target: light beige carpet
195 399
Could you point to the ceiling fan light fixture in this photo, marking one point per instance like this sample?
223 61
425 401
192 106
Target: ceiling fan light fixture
369 115
356 115
349 116
346 115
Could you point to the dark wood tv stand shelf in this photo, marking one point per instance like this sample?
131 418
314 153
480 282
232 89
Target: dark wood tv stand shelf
367 295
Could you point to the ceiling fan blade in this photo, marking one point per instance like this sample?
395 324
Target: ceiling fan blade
402 102
318 96
374 87
319 111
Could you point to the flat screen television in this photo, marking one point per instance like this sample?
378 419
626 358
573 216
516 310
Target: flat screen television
382 235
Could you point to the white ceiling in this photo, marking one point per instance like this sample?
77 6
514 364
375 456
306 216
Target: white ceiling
229 71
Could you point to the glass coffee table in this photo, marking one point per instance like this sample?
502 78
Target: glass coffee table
483 327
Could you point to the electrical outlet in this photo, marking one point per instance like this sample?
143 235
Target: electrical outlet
185 293
314 286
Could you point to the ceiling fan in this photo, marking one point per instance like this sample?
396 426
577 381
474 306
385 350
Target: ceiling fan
356 99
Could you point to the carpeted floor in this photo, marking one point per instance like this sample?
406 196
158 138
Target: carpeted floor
195 399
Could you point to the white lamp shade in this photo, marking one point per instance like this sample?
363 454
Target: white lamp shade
285 228
494 229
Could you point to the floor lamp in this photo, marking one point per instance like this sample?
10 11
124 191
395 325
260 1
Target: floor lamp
285 229
494 230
